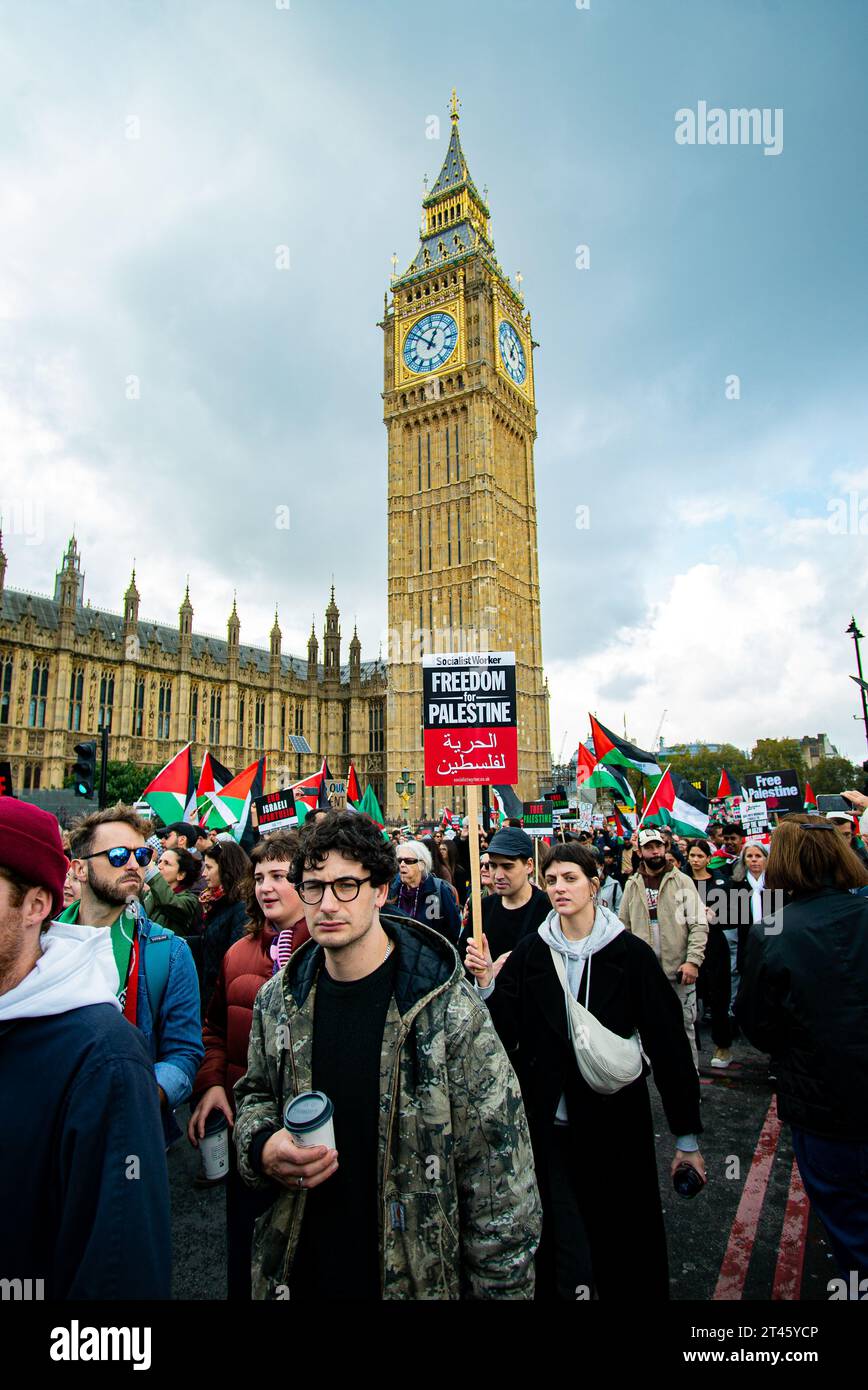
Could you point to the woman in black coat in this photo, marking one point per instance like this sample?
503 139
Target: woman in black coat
225 866
595 1156
804 999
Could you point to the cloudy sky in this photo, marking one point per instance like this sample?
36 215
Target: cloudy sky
166 388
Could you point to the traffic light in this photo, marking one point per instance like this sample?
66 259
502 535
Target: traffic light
84 771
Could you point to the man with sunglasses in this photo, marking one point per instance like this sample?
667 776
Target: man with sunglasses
157 984
429 1192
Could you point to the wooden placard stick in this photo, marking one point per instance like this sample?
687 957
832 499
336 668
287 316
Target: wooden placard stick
475 880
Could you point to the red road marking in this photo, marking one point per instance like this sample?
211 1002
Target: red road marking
733 1270
791 1258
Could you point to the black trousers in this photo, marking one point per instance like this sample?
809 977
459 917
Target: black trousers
243 1206
713 986
563 1260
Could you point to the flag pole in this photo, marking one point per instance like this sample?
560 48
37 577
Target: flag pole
472 794
647 808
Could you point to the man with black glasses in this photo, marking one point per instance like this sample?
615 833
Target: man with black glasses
157 985
429 1190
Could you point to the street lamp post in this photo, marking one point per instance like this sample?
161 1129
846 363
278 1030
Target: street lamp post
405 789
857 636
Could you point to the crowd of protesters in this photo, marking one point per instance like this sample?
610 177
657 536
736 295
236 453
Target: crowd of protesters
476 1077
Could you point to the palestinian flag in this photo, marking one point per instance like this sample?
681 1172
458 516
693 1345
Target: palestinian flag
625 823
585 765
233 802
810 799
677 804
354 791
610 779
729 786
172 794
512 807
613 750
213 777
497 810
307 795
370 806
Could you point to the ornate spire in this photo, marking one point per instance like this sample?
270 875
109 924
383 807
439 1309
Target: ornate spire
455 214
275 631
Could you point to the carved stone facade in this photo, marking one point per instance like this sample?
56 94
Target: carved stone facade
67 668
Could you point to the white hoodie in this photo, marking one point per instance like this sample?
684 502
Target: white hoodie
76 968
605 929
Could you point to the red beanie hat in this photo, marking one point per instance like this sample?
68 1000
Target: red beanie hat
31 847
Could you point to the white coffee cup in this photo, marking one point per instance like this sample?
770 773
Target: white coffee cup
309 1119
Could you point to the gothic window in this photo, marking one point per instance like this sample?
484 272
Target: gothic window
419 459
345 729
241 739
448 461
449 543
164 709
76 690
214 717
139 708
457 455
106 701
430 566
5 687
420 540
194 713
283 723
376 742
259 724
429 458
299 720
458 520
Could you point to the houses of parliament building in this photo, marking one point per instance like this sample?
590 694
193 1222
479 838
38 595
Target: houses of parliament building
459 408
68 670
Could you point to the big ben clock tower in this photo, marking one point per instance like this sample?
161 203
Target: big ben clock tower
460 414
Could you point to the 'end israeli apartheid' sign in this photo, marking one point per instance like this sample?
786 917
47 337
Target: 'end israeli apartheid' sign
274 811
469 719
779 790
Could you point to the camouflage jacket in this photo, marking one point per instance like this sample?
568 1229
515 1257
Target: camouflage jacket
458 1202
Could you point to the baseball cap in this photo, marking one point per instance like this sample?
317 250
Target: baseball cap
647 837
511 844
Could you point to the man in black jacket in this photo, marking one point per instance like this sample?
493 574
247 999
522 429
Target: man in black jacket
82 1160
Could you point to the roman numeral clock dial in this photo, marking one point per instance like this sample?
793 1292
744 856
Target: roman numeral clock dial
430 342
512 352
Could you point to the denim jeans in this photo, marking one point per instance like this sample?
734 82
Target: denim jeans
835 1174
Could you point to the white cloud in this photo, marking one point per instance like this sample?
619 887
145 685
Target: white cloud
731 655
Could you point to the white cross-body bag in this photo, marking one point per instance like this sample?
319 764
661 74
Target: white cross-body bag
606 1060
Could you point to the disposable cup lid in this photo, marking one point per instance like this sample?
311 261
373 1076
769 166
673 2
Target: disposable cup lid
307 1111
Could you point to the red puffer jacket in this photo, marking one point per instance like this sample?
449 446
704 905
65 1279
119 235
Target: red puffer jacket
226 1031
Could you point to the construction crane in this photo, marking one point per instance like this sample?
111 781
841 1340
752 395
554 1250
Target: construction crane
560 762
656 744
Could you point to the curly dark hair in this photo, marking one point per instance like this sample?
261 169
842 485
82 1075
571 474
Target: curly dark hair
356 837
233 864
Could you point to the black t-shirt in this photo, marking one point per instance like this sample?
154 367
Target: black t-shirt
338 1256
505 927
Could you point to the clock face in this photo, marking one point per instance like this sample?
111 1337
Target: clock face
512 352
430 342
